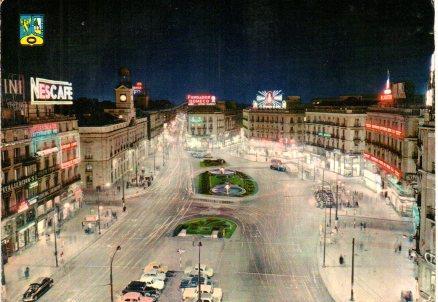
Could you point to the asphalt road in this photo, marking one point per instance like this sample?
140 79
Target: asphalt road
271 257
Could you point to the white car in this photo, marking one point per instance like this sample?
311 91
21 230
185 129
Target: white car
152 282
207 291
155 273
193 270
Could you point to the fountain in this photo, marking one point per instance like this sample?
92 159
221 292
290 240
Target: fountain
228 190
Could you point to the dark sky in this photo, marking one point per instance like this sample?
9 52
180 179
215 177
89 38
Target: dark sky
229 48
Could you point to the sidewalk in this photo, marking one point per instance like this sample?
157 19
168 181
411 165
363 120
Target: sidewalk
40 257
380 273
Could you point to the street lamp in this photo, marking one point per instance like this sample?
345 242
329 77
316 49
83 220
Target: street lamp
199 271
111 272
98 207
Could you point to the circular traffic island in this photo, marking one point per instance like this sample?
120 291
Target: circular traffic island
225 182
216 227
212 162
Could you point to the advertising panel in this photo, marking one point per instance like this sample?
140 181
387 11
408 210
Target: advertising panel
50 92
196 100
31 29
12 92
272 99
138 88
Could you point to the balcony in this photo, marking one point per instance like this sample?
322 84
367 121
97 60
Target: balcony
41 173
430 214
6 162
26 160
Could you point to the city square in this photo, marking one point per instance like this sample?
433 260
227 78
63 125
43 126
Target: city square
114 191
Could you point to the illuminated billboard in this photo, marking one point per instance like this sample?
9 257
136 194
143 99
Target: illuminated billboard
32 29
138 88
272 99
196 120
50 92
196 100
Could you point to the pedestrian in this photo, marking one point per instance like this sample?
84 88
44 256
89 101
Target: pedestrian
341 260
27 272
399 248
364 225
361 226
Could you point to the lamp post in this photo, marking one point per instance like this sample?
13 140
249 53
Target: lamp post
98 207
337 198
111 272
123 192
352 270
54 234
199 271
325 236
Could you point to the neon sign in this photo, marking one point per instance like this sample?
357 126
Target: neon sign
47 151
35 129
196 120
138 88
32 29
194 100
69 145
49 92
70 163
387 167
269 99
394 132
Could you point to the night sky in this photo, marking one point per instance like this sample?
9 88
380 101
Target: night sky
228 48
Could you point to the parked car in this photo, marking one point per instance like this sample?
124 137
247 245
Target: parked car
155 265
152 282
208 292
208 155
136 286
193 270
156 274
135 297
278 167
193 282
37 289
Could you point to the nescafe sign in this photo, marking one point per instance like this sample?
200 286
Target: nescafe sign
50 92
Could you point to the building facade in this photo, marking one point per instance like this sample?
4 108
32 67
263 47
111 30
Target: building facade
40 177
115 153
335 139
391 153
274 124
427 235
210 126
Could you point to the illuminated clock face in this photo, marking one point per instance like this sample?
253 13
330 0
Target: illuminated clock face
123 97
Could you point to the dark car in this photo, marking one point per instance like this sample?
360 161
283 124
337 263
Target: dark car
278 168
193 282
37 289
136 286
152 292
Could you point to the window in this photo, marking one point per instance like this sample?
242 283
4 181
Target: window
17 153
89 167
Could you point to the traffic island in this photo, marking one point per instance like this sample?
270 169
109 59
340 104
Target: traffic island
211 162
207 226
234 183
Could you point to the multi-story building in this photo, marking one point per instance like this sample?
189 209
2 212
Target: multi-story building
391 153
40 175
210 125
274 124
335 137
427 232
114 145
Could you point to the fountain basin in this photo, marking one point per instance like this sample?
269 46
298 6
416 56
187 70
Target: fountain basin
233 190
